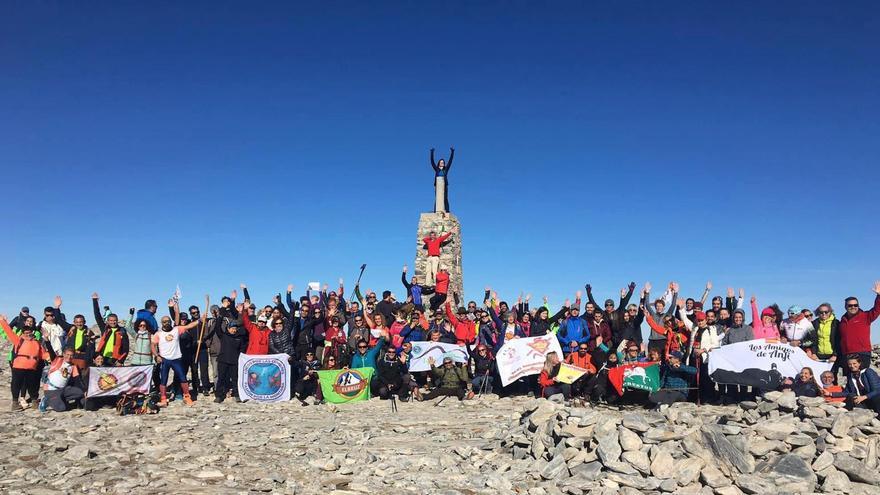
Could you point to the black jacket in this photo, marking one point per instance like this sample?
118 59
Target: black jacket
231 345
390 372
280 342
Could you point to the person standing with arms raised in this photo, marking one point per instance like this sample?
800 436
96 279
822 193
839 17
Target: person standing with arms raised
441 184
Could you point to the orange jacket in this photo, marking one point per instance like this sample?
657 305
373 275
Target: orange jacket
26 353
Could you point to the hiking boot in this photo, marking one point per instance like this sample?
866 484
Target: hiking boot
187 399
218 400
163 403
43 404
23 403
16 406
470 395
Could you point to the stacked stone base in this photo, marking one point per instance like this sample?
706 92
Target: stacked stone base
450 255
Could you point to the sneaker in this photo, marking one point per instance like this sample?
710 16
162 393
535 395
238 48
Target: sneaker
470 395
218 400
23 403
16 406
187 399
43 405
163 403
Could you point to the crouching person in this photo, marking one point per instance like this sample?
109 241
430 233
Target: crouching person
60 388
674 381
391 377
451 380
862 386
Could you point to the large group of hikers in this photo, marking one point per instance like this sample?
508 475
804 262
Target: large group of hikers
322 330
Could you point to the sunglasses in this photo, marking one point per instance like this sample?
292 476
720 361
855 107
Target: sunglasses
824 312
852 305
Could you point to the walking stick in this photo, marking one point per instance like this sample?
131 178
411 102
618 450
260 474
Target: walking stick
363 267
483 385
441 400
393 403
204 324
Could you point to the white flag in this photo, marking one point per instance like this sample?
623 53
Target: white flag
523 357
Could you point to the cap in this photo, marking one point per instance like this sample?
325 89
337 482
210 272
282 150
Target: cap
768 312
25 309
263 319
676 354
794 309
574 308
609 301
699 315
698 305
447 359
233 323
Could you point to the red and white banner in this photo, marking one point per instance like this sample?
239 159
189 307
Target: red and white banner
118 380
523 357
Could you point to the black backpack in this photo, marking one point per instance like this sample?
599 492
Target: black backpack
136 403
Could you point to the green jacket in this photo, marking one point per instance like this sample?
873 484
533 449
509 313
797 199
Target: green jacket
455 377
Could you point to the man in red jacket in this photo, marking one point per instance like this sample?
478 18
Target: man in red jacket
855 327
433 245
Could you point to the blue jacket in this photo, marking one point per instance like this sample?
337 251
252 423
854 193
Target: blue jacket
869 384
676 378
413 334
368 359
572 329
147 316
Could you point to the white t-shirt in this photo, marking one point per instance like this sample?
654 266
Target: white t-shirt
57 378
169 343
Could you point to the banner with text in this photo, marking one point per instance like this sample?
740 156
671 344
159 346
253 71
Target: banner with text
421 351
760 364
523 357
348 385
264 378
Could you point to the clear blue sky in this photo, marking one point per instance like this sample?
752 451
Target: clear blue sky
205 144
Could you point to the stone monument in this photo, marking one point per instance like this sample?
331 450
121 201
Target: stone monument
441 221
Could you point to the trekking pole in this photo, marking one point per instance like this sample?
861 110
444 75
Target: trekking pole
204 324
393 403
483 385
363 267
441 400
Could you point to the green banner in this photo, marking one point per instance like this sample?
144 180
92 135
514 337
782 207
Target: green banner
647 378
341 386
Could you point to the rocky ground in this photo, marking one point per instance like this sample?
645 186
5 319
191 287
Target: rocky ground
490 445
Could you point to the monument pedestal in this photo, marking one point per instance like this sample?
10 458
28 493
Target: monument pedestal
450 254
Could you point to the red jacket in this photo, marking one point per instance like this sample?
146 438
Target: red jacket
442 286
855 331
545 381
465 330
434 246
258 340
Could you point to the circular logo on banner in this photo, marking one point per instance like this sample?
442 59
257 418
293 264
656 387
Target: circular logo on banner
266 379
350 384
107 381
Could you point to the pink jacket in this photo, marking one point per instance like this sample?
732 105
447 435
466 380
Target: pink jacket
760 330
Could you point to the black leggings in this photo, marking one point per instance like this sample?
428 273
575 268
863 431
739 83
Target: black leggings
25 381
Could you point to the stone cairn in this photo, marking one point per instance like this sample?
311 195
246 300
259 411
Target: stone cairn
778 444
450 255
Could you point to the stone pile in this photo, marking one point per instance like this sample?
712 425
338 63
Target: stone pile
778 444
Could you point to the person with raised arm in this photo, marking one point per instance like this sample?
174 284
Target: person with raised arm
433 245
113 345
855 327
166 350
441 181
764 324
27 355
658 311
